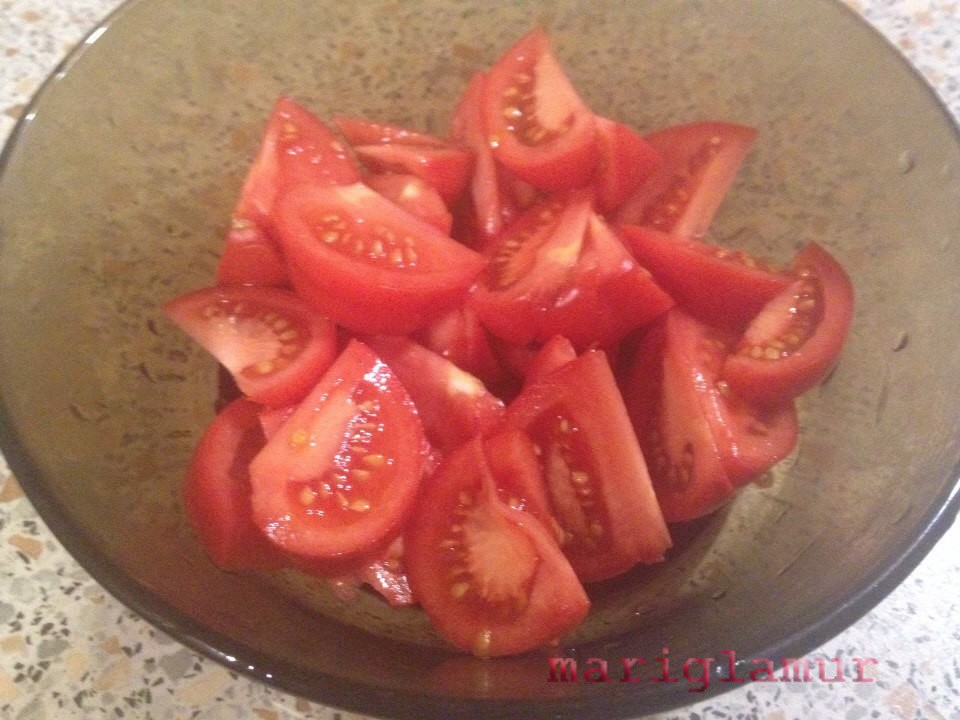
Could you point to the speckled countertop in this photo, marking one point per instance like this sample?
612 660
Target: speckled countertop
68 650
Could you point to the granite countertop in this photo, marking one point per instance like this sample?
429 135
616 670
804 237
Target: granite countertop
69 650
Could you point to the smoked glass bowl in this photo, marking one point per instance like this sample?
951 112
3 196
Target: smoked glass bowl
115 193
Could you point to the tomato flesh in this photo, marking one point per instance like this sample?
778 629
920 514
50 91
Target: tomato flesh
250 257
490 577
556 352
683 195
341 474
415 196
460 337
366 263
625 160
596 476
272 343
796 339
721 287
537 124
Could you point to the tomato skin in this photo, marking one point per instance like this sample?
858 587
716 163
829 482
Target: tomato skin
216 493
415 196
388 148
211 318
460 337
683 195
718 286
371 295
581 282
556 352
553 600
356 413
250 257
453 405
584 394
563 162
625 160
776 381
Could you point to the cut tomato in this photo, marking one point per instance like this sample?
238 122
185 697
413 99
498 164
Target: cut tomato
559 270
250 257
460 338
415 196
366 263
721 287
700 162
624 161
275 346
537 124
341 474
273 418
490 578
216 494
596 477
556 352
453 404
387 148
796 339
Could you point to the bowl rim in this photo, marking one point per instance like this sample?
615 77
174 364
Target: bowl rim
369 699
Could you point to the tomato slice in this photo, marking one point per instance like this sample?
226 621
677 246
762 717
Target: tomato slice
415 196
387 148
797 338
275 346
537 124
216 493
366 263
342 473
250 257
721 287
556 352
624 161
387 575
559 270
460 337
453 404
596 477
489 577
700 162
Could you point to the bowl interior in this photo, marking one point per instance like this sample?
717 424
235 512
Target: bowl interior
117 192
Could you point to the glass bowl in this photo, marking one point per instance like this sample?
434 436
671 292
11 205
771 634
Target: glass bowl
115 192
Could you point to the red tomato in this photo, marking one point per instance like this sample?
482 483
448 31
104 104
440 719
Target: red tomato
460 338
216 494
625 160
489 577
721 287
537 124
274 345
559 270
250 257
386 148
702 440
596 476
700 162
273 418
415 196
368 264
556 352
453 405
342 472
387 575
296 149
796 339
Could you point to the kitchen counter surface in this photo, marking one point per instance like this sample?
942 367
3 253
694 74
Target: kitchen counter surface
69 650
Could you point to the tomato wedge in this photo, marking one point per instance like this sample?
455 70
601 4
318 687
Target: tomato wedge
341 474
797 338
538 126
453 405
700 162
490 577
366 263
250 257
387 148
460 337
624 161
556 352
596 477
721 287
275 346
216 493
559 270
415 196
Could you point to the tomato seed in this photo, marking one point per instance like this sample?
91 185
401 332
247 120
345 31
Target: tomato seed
459 589
360 505
299 438
374 461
